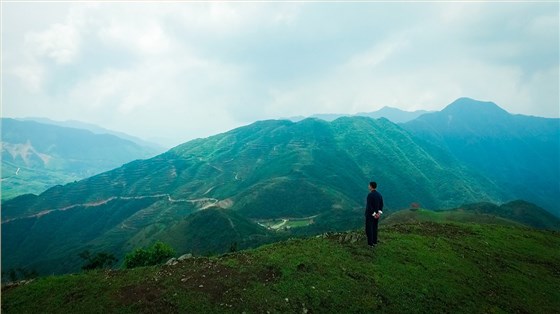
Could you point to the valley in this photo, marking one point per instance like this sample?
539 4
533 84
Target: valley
286 223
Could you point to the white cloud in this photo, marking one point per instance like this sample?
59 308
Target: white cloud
60 42
378 54
140 38
31 75
192 69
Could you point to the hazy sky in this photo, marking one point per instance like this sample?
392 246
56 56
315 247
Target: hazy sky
185 70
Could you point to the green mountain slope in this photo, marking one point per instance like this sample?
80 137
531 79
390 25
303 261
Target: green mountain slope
519 211
36 156
314 165
521 153
516 213
420 267
215 231
267 170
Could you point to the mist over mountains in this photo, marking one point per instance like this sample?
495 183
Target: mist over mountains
392 114
97 130
313 171
37 156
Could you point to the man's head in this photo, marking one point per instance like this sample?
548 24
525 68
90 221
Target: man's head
372 185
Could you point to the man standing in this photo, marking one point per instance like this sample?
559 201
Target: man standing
374 207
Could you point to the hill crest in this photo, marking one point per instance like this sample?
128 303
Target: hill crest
427 267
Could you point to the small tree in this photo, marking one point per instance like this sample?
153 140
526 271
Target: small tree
156 254
16 274
99 260
233 247
13 275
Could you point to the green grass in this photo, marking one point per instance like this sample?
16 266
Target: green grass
298 223
422 267
463 216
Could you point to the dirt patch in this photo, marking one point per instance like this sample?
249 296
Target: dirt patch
74 296
145 298
216 279
210 278
221 283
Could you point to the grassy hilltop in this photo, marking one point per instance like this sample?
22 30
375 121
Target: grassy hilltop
418 267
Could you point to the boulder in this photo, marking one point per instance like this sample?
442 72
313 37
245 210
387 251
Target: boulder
185 256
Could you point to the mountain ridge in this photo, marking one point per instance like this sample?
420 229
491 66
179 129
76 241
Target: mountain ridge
521 153
394 115
267 170
75 124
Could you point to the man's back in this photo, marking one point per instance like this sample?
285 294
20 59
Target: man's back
374 203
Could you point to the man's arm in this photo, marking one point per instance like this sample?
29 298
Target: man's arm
379 209
369 204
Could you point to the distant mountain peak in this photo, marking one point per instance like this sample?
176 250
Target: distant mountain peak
465 105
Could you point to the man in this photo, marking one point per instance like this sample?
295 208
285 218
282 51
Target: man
374 207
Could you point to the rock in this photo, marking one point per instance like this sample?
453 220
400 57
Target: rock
185 256
172 261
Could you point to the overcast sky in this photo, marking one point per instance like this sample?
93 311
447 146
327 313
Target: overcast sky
184 70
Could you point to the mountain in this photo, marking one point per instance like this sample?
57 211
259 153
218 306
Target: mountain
520 211
313 174
156 148
321 116
520 153
516 213
37 156
421 267
394 115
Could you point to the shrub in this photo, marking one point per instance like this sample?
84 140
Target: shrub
233 247
156 254
20 273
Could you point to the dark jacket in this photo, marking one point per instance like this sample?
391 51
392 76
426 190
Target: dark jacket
374 203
